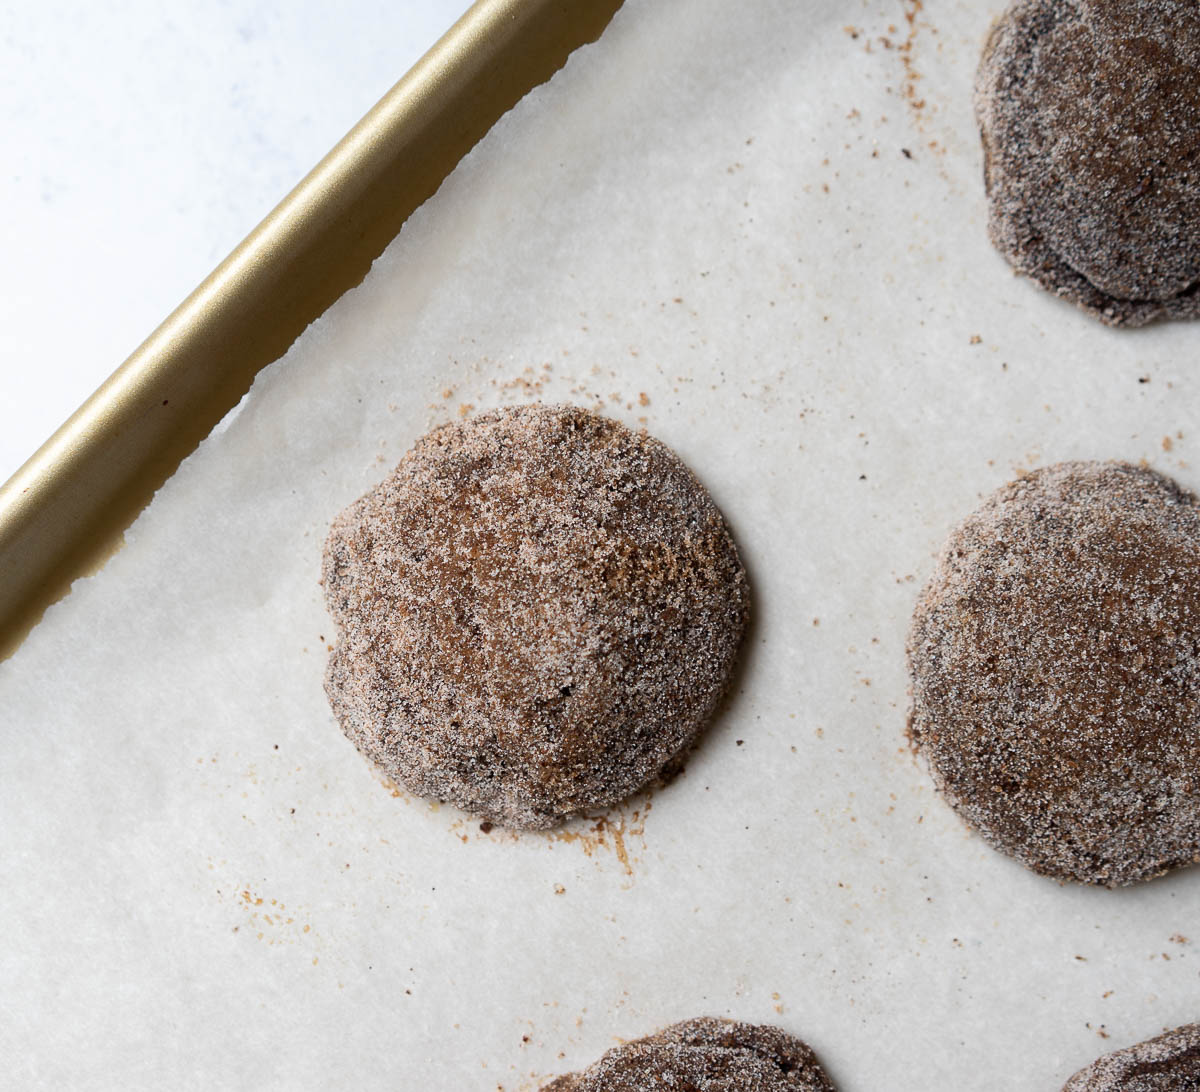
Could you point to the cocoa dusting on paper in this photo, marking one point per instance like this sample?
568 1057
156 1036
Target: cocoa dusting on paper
621 832
612 833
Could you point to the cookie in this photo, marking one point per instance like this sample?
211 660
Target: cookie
1169 1063
1055 664
1090 117
537 611
704 1055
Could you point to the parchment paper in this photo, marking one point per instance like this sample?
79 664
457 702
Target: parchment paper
759 229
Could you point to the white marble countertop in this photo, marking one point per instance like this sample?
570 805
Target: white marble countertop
142 142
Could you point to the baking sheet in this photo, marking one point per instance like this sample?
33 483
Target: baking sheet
758 229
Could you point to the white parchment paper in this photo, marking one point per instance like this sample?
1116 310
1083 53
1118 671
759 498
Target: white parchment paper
759 229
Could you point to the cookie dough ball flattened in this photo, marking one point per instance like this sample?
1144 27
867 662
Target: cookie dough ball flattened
538 610
704 1055
1090 117
1055 662
1170 1063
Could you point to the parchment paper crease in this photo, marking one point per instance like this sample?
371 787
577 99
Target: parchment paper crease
758 228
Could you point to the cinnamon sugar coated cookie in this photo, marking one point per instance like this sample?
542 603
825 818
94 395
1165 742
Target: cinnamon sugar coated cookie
1169 1063
704 1055
538 610
1090 116
1055 663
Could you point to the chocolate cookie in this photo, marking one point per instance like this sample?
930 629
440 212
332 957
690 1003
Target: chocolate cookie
1170 1063
1055 662
537 611
704 1055
1090 117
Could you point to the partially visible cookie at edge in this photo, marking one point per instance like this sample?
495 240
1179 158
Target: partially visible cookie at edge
1168 1063
704 1055
1089 113
537 611
1055 666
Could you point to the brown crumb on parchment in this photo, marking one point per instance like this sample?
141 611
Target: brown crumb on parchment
704 1055
1055 661
538 611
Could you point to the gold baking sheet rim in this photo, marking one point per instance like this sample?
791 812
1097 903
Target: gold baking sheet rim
64 512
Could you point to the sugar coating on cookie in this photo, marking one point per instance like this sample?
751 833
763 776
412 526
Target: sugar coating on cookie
1055 664
704 1055
1168 1063
537 611
1090 117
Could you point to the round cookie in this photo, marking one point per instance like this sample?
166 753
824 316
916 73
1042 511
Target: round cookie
537 610
1055 663
1169 1063
704 1055
1090 117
